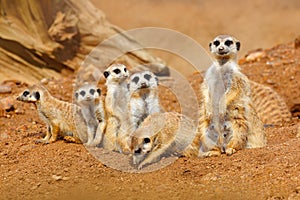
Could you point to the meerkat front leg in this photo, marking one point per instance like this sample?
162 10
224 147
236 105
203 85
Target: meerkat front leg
239 131
99 133
45 140
154 156
54 133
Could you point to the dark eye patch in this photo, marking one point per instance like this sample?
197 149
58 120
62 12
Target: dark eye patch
147 76
146 140
25 93
228 42
92 91
138 151
216 43
82 93
117 71
136 79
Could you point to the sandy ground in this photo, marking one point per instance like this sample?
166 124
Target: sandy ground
69 171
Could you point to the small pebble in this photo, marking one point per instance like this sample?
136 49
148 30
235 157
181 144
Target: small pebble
5 89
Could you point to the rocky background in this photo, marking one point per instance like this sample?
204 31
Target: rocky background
31 51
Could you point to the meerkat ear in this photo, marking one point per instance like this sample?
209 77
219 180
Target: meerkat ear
106 74
238 46
99 91
210 46
128 86
76 95
37 95
156 79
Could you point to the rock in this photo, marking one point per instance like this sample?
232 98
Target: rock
57 178
5 89
7 104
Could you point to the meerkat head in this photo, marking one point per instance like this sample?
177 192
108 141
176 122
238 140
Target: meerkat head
224 47
142 80
32 94
141 147
116 73
87 93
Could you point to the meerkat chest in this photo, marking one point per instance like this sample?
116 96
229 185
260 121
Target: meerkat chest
219 79
142 94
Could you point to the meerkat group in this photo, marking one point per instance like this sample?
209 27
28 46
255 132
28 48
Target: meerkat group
129 118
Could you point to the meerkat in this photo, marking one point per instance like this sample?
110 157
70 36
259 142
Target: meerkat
62 118
230 122
161 134
143 97
116 102
270 107
89 98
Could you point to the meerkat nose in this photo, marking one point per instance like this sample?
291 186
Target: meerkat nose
143 84
221 48
223 150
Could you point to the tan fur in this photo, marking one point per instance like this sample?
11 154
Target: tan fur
270 107
90 100
167 133
230 123
62 118
116 101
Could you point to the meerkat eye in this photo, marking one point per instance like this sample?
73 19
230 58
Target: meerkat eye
117 71
25 93
136 79
98 91
92 91
82 93
146 140
147 76
228 42
138 151
216 43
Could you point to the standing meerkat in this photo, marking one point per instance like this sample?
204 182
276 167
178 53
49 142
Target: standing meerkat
62 118
89 98
116 102
161 134
230 122
143 97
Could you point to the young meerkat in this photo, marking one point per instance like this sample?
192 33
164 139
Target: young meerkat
230 121
161 134
89 98
116 102
143 97
62 118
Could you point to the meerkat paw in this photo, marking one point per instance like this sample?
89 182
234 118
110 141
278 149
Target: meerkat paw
140 166
210 154
42 141
230 151
70 139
